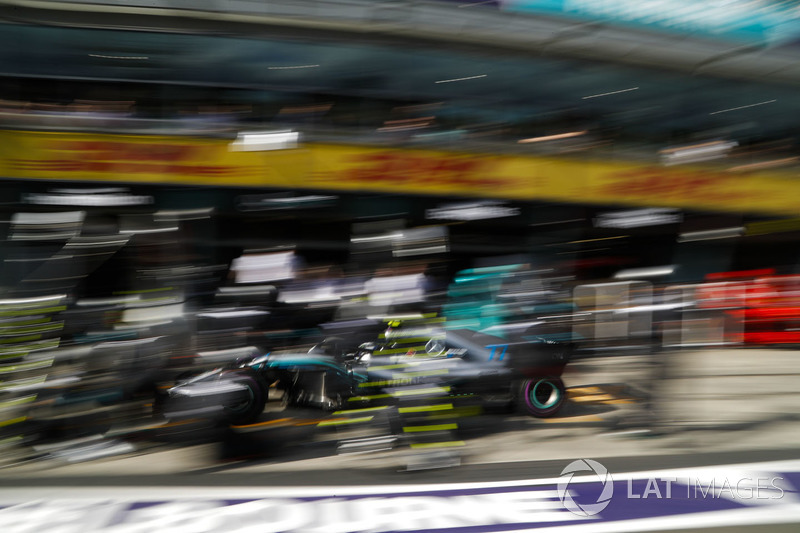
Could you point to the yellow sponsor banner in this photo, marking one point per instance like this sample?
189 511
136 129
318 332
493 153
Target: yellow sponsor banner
143 158
205 161
545 178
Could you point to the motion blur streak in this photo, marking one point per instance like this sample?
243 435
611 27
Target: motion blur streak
334 243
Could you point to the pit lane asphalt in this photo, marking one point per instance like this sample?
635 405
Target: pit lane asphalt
242 475
609 421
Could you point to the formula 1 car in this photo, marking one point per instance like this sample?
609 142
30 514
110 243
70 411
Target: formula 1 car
461 363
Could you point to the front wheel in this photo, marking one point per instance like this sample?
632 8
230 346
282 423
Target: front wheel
542 397
250 402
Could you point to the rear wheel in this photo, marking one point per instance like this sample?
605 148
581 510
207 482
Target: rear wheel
542 397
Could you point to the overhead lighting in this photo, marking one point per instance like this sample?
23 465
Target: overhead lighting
599 239
462 79
34 300
472 211
697 152
90 302
420 241
46 226
742 107
175 215
407 124
61 218
94 200
260 202
299 199
102 190
292 67
637 218
374 238
651 272
556 137
423 250
724 233
95 242
610 93
102 56
714 145
650 308
408 316
234 313
248 290
262 267
262 141
142 231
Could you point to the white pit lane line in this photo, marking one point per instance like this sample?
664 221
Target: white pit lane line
379 507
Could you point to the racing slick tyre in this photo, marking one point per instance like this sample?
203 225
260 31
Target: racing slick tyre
252 403
541 397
